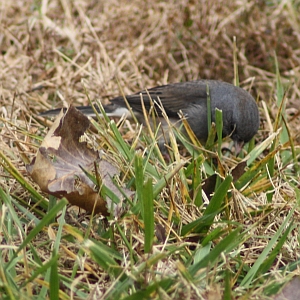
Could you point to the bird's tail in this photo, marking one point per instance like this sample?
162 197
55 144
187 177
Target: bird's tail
111 110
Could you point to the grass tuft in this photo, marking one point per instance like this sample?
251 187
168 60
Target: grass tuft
202 223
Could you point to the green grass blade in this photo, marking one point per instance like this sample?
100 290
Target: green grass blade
225 245
42 269
139 176
217 199
12 170
248 279
253 171
54 279
273 254
149 292
163 180
197 181
219 126
148 209
44 222
202 224
208 109
104 256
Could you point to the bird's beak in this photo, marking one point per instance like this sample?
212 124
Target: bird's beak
238 145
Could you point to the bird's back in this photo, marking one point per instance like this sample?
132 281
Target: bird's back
240 113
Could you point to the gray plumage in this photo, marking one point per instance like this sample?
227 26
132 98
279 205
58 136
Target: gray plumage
240 112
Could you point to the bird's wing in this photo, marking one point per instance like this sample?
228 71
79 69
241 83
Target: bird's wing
174 97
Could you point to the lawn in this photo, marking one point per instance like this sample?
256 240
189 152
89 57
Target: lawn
197 223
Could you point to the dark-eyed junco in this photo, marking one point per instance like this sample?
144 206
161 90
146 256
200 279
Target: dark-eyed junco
240 112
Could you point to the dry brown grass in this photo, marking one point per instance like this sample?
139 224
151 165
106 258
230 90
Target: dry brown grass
53 51
49 48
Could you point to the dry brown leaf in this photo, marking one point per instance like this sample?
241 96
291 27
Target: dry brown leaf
238 170
209 185
60 161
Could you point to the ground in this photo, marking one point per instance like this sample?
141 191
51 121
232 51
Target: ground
243 243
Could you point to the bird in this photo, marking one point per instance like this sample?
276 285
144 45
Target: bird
239 109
